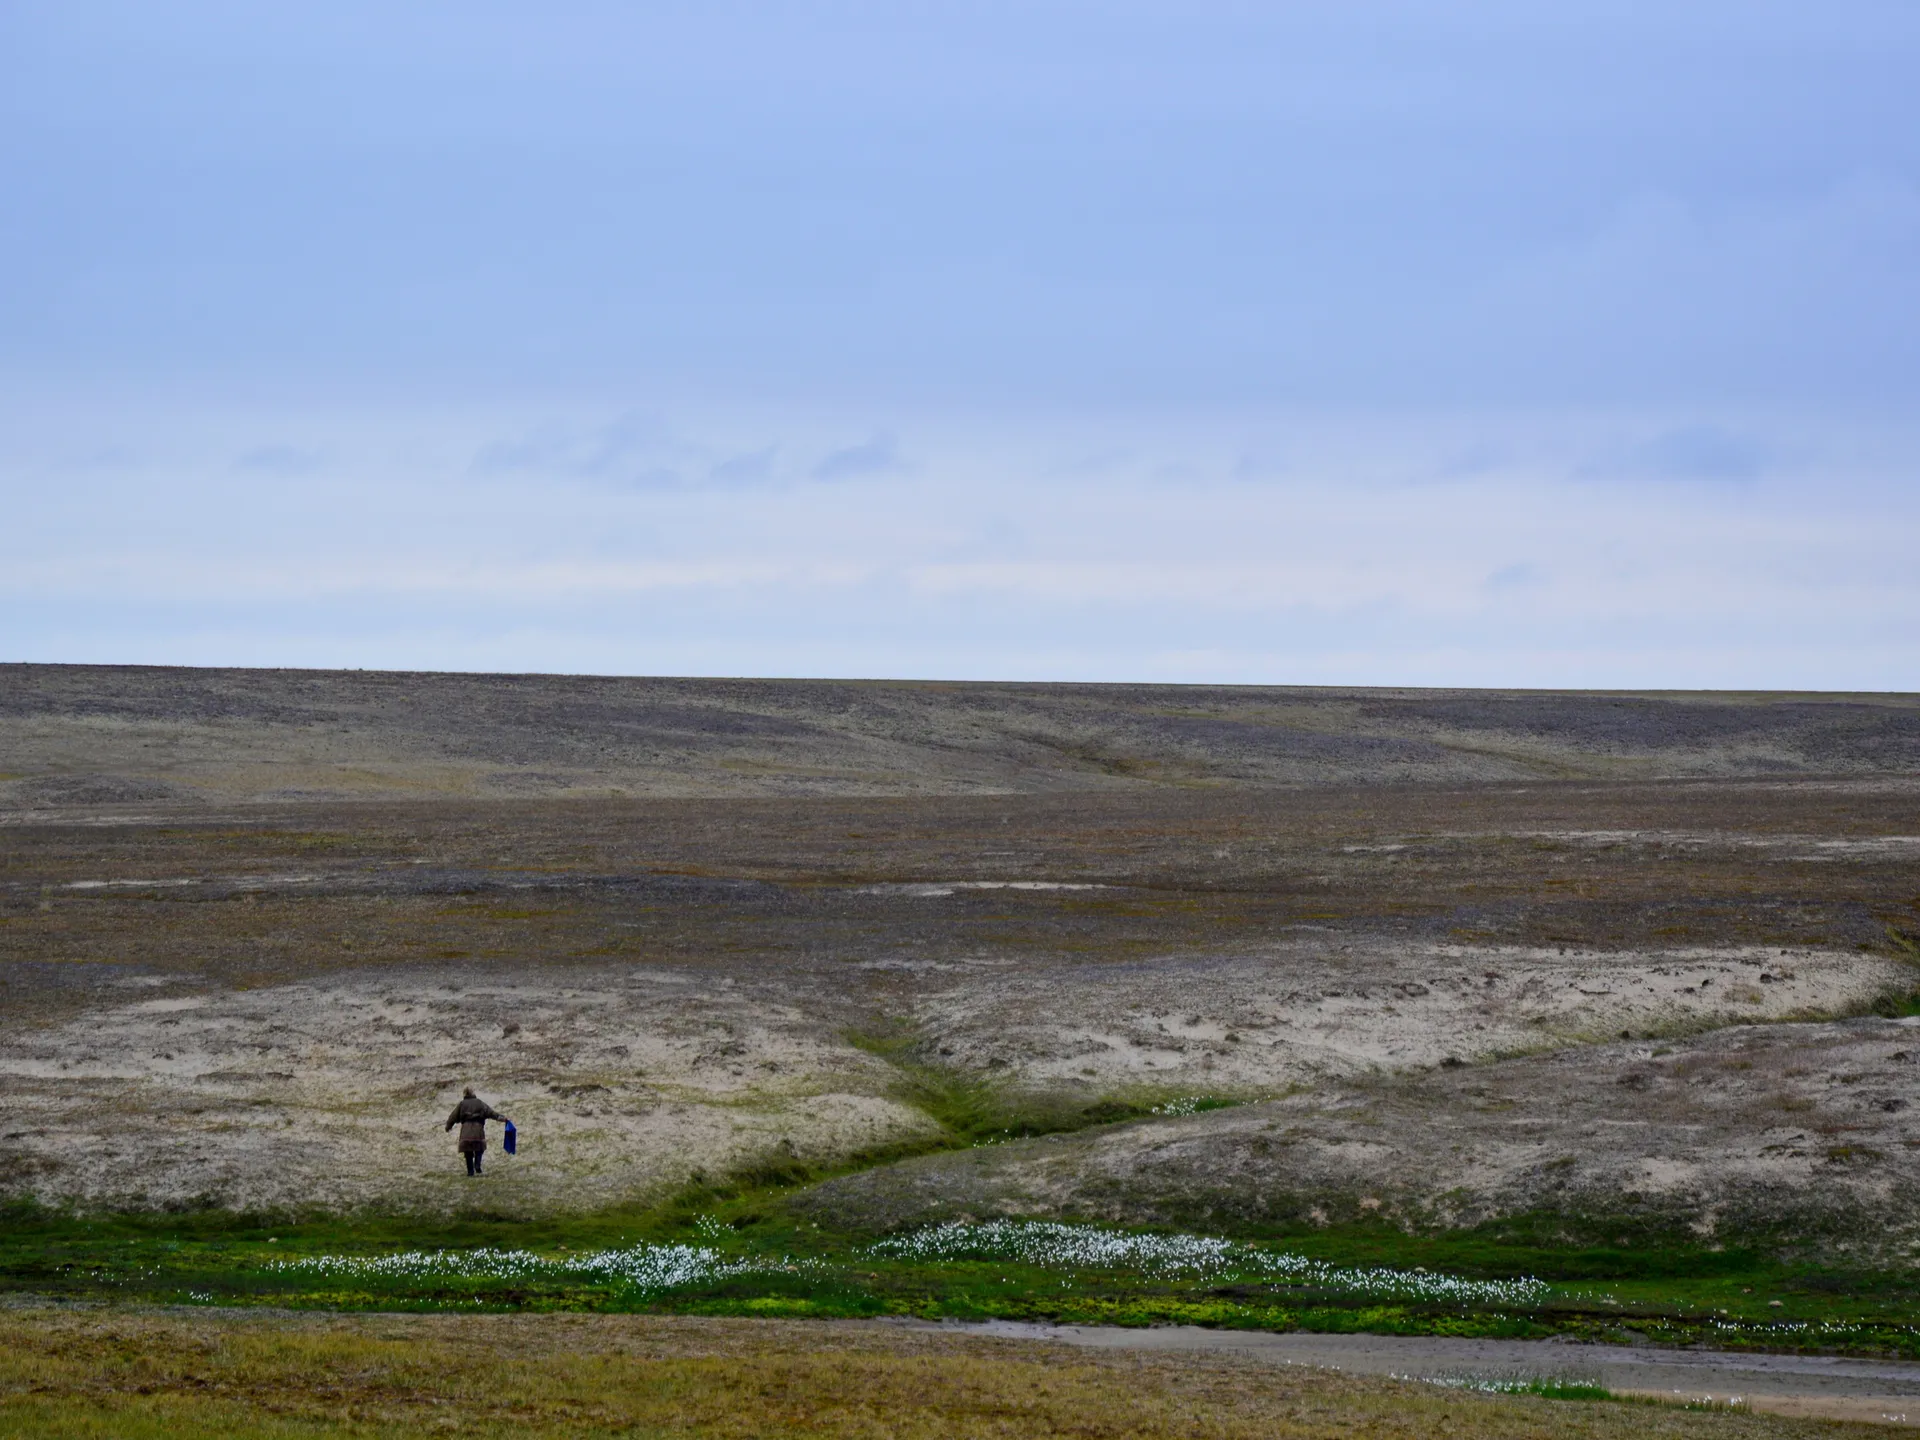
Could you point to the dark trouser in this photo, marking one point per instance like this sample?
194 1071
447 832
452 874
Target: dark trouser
473 1154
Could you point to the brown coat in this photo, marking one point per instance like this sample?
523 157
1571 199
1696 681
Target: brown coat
471 1115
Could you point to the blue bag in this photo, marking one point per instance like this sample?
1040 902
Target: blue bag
510 1139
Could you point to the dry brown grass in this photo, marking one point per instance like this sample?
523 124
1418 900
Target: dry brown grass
135 1375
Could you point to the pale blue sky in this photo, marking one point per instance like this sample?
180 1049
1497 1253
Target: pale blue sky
1463 342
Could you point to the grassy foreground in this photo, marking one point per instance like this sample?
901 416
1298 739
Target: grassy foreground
154 1375
744 1254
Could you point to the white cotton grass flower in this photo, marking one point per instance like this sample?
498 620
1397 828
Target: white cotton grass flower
1048 1245
1044 1245
651 1268
1561 1386
1185 1105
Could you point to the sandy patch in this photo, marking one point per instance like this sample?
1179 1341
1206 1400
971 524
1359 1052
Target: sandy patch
1805 1132
1789 847
935 889
238 881
626 1083
336 1093
1309 1013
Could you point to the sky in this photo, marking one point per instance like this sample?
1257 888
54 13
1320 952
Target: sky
1452 343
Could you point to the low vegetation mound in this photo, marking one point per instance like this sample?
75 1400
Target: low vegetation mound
1797 1138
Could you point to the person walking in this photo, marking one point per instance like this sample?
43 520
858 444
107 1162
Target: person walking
471 1115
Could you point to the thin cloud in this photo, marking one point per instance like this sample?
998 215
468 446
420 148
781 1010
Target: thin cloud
755 467
283 460
615 450
1260 465
1481 458
543 448
1689 452
877 456
1513 577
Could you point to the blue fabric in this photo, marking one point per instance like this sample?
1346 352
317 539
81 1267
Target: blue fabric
508 1140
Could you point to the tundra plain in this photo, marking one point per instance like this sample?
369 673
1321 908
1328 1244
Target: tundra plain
1453 955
